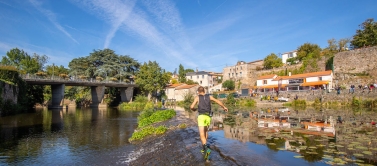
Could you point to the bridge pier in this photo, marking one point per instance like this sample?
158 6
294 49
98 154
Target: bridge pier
126 94
57 100
98 92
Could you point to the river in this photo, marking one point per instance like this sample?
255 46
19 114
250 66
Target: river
67 137
100 136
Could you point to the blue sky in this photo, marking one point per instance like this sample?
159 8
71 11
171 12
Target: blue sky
203 34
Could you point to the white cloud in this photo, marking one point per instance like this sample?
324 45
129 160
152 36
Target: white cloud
51 17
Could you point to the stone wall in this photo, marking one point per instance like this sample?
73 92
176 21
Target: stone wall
9 92
309 95
356 67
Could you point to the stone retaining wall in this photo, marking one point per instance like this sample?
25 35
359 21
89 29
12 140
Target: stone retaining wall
9 92
356 67
310 96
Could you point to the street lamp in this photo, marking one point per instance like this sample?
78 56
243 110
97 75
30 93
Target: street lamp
53 66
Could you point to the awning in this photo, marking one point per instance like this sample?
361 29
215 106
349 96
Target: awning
314 83
271 86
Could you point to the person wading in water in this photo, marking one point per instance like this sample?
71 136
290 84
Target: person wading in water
204 118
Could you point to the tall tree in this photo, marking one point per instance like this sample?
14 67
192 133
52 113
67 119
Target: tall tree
181 74
56 70
229 84
23 61
343 44
31 94
366 35
104 63
152 78
306 49
272 61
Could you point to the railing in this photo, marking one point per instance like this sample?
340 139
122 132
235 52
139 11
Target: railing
69 79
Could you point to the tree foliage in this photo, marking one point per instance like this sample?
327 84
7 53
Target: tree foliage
229 84
24 62
304 50
104 63
56 70
366 35
152 77
181 74
272 61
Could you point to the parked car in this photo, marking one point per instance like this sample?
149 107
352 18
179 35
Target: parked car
283 99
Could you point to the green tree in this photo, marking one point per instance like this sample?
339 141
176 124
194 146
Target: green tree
152 78
56 70
104 63
366 35
306 49
181 74
24 62
190 82
272 61
229 84
189 70
343 44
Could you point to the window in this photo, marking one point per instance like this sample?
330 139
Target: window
232 74
264 81
236 74
320 78
190 77
200 82
240 74
202 76
290 55
229 74
197 77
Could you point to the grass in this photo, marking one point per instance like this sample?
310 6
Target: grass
149 117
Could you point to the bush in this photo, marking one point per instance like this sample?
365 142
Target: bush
247 102
134 106
230 100
188 98
157 116
141 99
146 131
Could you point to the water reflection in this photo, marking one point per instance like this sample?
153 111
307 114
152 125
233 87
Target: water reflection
69 135
341 136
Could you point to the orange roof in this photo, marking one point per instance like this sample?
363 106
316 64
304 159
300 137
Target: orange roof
305 75
266 76
185 86
314 83
174 85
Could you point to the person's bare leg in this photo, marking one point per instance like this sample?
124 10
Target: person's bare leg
203 134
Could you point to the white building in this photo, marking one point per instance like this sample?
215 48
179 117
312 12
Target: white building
287 55
179 91
203 78
306 81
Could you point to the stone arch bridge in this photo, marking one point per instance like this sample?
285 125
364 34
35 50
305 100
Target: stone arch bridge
97 89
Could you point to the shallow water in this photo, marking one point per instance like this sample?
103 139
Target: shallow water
348 138
67 137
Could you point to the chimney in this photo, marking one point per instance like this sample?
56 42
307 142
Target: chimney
289 74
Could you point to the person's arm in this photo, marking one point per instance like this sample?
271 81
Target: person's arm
219 103
194 103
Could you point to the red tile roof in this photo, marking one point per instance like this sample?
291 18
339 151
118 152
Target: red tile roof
185 86
174 85
305 75
266 76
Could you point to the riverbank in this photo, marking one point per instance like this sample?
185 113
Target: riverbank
182 147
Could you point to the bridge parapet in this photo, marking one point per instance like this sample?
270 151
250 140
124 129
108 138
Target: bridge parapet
39 80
